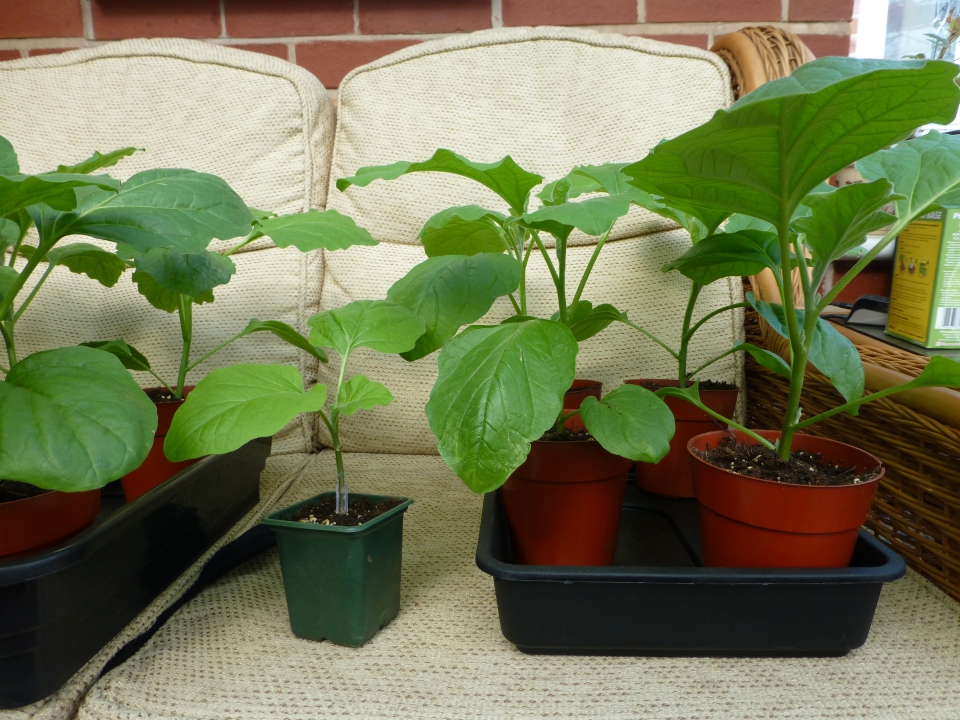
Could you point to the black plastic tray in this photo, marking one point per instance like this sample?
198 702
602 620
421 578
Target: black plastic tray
657 599
59 606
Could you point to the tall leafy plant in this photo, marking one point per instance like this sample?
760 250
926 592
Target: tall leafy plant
500 387
766 158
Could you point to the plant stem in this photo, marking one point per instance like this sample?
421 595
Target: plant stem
861 264
696 326
707 364
33 293
217 349
163 382
586 273
17 244
553 273
747 431
523 278
17 285
685 333
854 403
652 337
516 305
7 333
185 307
253 235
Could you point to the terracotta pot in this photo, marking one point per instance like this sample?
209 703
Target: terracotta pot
40 520
563 503
749 522
578 392
156 469
672 476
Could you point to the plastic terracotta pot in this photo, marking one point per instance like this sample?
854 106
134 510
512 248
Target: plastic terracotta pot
342 583
749 522
578 392
563 503
672 476
40 520
156 469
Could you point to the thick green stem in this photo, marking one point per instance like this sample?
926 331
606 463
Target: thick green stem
33 293
185 307
685 333
589 269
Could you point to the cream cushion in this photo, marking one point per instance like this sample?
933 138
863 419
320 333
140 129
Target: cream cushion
262 124
551 98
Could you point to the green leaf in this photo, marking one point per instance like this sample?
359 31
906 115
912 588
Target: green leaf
260 215
608 178
585 320
360 393
98 161
700 223
73 419
593 216
9 165
285 333
9 234
85 259
830 352
465 230
631 422
131 358
451 291
8 276
765 153
499 388
190 274
839 221
728 255
771 361
314 229
177 209
924 170
162 298
739 222
381 325
234 405
939 372
52 189
505 177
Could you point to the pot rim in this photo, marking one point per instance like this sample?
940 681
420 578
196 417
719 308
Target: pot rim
673 382
12 503
780 483
277 522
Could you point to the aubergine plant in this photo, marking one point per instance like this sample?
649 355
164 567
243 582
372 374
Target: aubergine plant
500 387
764 160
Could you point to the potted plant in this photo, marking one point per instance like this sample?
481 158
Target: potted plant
782 498
340 556
497 407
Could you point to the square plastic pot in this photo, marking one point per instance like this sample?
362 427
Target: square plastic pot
342 583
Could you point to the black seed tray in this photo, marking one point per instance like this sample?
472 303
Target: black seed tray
60 605
657 599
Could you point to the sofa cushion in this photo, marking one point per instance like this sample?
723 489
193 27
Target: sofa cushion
262 124
551 98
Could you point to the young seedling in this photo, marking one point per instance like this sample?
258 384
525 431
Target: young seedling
500 387
767 156
236 404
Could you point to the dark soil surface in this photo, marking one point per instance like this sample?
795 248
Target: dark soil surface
704 385
160 395
584 389
361 510
804 468
11 490
565 435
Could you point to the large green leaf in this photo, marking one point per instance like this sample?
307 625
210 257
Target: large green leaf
830 352
190 274
72 419
381 325
728 255
465 230
631 422
839 221
314 229
8 276
593 216
234 405
163 298
939 372
9 165
498 389
131 358
55 190
98 161
739 222
608 178
585 320
770 360
924 170
84 259
177 209
361 393
285 333
764 154
505 177
451 291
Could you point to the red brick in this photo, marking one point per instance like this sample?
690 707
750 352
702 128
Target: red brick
699 11
9 55
40 18
383 17
119 19
47 51
286 18
820 10
331 60
569 12
823 45
699 41
276 49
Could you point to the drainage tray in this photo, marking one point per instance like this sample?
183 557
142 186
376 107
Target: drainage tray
657 599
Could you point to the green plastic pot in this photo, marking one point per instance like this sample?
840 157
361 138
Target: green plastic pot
342 583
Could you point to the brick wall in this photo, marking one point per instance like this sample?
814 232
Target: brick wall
330 37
